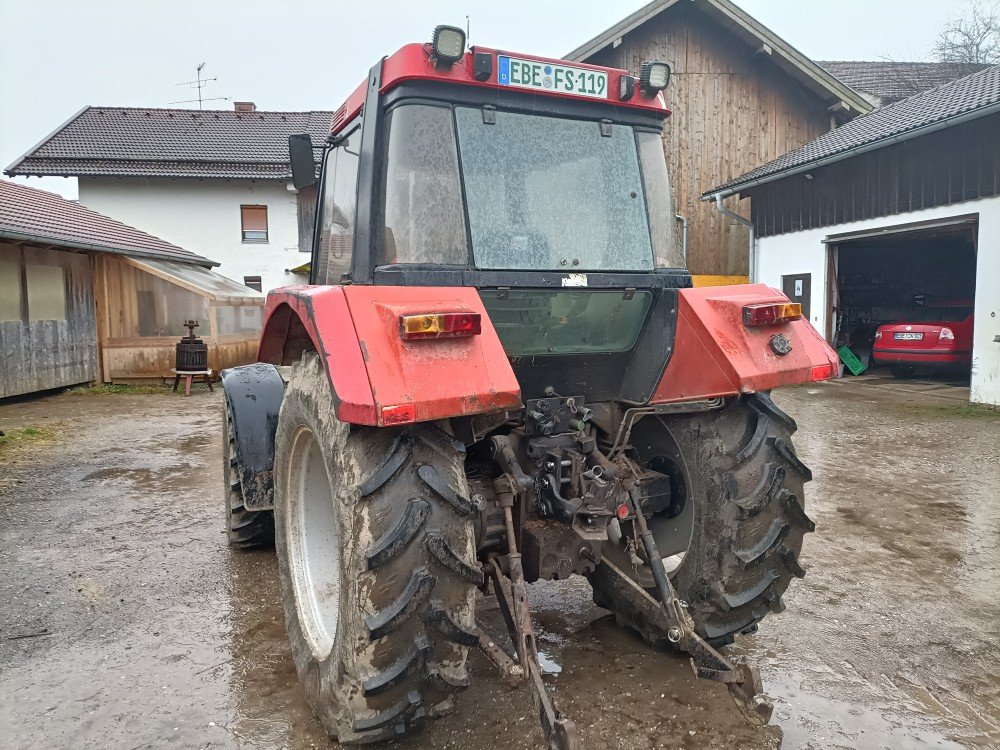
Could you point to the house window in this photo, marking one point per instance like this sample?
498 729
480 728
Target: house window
254 221
253 282
46 292
10 291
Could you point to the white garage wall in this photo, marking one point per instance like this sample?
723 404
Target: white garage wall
203 216
804 252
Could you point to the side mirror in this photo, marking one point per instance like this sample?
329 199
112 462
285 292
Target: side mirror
300 152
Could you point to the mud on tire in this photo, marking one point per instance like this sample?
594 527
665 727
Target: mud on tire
746 484
407 572
244 528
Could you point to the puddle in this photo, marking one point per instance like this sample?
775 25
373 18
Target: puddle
548 664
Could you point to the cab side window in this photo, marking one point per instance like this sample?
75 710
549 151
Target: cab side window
424 216
339 201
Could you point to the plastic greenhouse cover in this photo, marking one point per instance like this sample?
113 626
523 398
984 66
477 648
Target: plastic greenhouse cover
211 282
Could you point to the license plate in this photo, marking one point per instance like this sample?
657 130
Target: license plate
546 76
908 336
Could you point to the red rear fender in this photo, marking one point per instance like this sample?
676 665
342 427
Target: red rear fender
716 355
377 377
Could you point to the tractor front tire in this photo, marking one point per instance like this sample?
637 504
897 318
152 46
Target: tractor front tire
375 544
745 481
245 529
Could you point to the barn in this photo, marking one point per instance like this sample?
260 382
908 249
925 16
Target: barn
740 95
85 298
888 218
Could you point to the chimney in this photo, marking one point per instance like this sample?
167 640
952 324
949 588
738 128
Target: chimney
245 106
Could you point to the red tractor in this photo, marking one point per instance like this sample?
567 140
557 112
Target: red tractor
500 373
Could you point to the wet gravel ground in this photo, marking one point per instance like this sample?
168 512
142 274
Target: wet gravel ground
126 622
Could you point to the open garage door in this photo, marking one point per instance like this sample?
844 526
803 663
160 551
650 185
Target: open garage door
920 276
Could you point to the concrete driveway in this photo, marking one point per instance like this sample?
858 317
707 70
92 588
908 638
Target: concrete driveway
126 622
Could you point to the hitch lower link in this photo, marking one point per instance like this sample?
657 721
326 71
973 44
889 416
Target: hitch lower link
670 613
512 595
741 679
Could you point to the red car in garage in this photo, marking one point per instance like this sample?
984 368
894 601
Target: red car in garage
937 336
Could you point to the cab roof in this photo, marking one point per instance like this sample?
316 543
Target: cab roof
414 62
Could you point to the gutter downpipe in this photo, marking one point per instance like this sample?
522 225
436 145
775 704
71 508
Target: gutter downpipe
684 234
753 236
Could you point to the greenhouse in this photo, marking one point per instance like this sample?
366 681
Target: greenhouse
145 304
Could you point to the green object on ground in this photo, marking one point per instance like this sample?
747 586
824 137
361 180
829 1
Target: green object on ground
850 360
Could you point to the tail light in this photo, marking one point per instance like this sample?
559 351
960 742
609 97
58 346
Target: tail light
947 333
771 313
822 372
439 325
400 414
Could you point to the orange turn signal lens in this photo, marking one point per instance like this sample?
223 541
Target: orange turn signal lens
439 325
771 313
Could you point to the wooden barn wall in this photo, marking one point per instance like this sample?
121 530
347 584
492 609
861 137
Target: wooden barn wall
40 354
957 164
150 360
732 111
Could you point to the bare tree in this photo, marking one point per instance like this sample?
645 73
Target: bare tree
973 37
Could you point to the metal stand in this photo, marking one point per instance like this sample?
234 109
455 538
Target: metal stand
190 375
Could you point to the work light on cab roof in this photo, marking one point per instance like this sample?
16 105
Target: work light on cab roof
447 45
654 76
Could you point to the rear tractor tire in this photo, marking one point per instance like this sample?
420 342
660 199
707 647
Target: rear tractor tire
741 485
375 544
245 529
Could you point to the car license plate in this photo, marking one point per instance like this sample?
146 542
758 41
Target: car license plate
546 76
908 336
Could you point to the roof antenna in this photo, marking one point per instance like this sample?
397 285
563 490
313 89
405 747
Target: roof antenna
200 84
467 44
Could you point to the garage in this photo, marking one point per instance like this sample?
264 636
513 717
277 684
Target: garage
892 221
910 274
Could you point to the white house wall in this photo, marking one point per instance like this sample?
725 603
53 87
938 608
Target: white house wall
804 252
203 216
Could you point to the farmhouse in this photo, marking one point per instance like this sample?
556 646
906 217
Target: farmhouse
897 209
740 96
214 182
86 298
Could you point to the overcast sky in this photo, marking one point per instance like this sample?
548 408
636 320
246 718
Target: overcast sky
57 56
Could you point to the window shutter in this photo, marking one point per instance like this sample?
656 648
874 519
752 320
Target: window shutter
254 220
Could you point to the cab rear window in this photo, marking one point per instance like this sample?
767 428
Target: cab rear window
540 321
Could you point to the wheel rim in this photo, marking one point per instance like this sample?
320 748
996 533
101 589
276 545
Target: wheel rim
313 540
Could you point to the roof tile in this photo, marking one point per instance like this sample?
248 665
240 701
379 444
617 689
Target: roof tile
891 81
125 141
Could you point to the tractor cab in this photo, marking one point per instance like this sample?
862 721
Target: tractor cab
541 184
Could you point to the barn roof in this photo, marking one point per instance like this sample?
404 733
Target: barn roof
31 215
141 142
890 80
968 98
738 22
